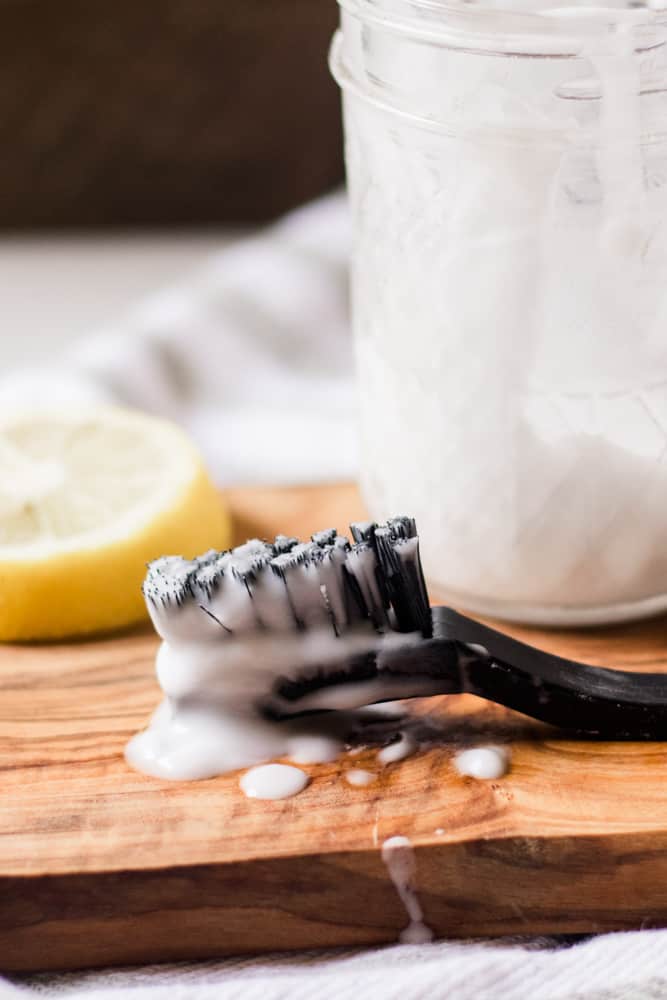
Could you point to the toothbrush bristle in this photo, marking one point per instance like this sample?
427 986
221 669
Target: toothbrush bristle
362 531
168 580
253 547
362 563
207 558
284 543
402 527
210 574
377 582
298 570
325 537
397 546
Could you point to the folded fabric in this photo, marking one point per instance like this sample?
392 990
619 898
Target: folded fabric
252 355
609 967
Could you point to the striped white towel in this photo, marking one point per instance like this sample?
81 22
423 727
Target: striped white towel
252 355
629 966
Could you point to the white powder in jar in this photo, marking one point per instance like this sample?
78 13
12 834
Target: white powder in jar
510 302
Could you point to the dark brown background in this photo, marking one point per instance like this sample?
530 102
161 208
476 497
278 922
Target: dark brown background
164 111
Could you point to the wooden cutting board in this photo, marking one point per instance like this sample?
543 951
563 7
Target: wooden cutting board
101 865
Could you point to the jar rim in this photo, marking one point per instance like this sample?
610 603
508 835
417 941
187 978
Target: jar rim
533 28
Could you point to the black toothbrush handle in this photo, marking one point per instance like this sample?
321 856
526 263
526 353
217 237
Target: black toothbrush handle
594 701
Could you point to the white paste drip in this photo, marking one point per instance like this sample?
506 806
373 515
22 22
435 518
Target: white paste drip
486 763
398 856
360 778
209 724
252 635
399 750
314 748
273 781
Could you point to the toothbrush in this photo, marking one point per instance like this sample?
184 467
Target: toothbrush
284 628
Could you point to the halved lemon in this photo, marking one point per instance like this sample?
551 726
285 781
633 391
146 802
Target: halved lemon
87 498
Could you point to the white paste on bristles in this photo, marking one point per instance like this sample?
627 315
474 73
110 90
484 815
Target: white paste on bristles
232 626
208 723
398 856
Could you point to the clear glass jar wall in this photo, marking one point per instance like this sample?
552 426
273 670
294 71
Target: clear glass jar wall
508 181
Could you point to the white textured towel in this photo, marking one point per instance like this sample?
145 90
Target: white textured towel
253 356
610 967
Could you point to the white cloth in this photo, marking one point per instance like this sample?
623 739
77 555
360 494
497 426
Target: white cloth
253 356
610 967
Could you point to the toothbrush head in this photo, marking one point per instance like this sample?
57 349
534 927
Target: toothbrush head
286 627
374 584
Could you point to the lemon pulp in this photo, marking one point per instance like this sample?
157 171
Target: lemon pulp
87 497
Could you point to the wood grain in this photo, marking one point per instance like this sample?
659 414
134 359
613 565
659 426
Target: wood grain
99 865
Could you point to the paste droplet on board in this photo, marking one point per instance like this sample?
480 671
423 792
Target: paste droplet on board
360 778
273 781
485 763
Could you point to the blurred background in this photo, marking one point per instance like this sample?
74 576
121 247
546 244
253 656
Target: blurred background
137 138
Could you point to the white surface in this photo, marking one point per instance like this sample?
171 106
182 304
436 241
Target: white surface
611 967
54 289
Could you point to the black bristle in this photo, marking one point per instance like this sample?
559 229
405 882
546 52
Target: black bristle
362 531
325 537
383 572
355 605
210 574
404 578
284 543
247 570
362 667
416 585
215 619
294 568
372 596
280 565
169 581
207 558
294 556
402 527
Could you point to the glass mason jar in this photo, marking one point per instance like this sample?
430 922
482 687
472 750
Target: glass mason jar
507 173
